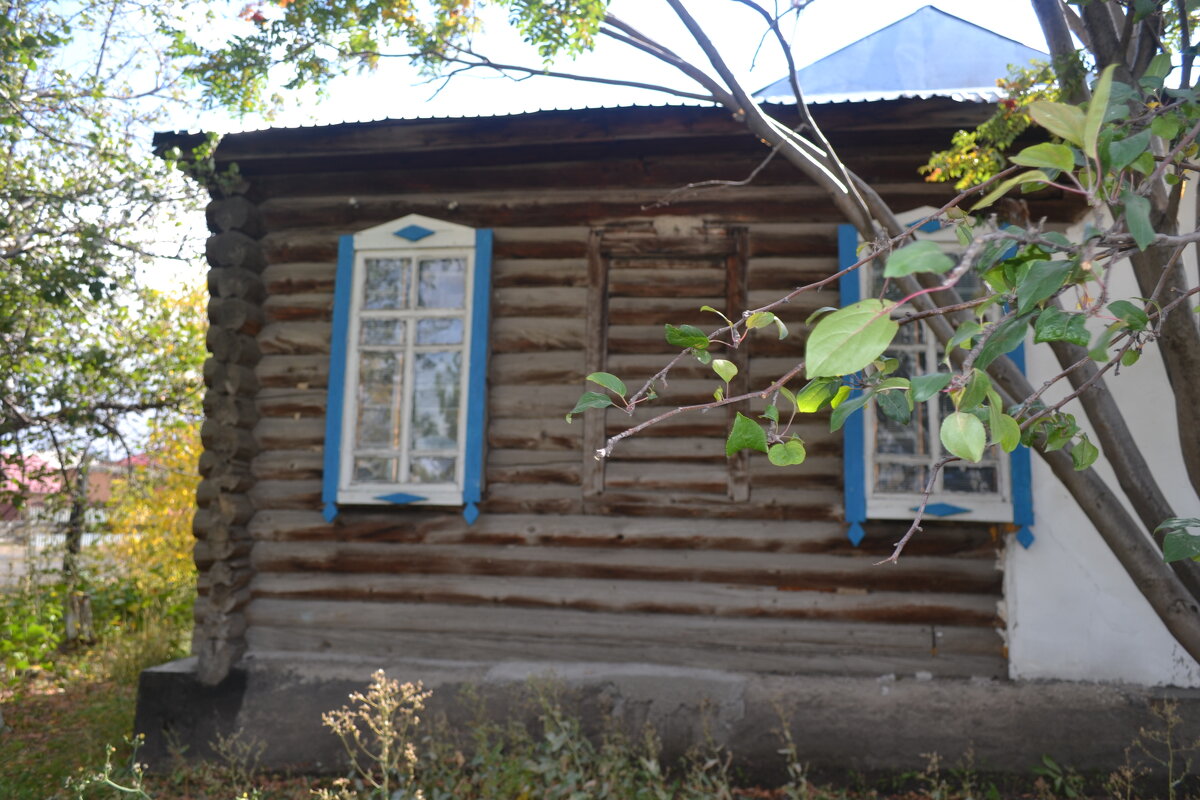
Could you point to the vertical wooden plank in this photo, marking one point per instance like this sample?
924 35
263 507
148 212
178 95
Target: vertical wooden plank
595 360
736 264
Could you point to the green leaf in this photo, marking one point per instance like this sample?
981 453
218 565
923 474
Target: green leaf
1056 325
1007 336
894 406
964 333
975 391
849 339
926 386
838 418
1130 357
1034 176
1144 163
839 396
703 356
814 394
1097 108
783 331
1137 219
819 312
746 434
1179 541
759 320
963 435
1166 126
590 400
917 257
787 453
608 381
1130 314
771 412
1006 433
1123 152
725 369
719 393
1084 454
1041 282
1046 154
728 321
687 336
787 394
1062 120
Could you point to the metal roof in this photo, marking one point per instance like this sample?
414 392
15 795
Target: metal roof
929 53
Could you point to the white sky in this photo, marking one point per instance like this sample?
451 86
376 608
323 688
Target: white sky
825 26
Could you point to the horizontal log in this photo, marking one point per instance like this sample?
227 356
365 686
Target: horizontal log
229 409
236 314
296 338
542 302
629 596
539 273
533 434
289 402
416 526
306 307
235 250
234 213
231 346
286 494
289 434
275 465
495 634
235 282
300 277
293 371
227 441
536 334
794 572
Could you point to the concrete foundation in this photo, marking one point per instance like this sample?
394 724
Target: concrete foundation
837 723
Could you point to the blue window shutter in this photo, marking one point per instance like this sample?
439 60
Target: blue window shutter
477 380
342 287
1021 476
854 477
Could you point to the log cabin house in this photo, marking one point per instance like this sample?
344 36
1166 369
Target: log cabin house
403 311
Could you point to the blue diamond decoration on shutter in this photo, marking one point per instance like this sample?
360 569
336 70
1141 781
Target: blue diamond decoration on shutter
413 233
942 509
400 498
856 533
1025 537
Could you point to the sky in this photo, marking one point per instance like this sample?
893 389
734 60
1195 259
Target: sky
396 91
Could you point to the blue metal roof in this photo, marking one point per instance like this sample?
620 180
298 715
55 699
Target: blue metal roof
928 53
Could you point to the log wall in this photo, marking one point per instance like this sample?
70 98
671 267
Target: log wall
668 553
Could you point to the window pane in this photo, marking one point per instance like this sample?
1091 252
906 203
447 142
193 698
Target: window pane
378 377
386 284
375 470
442 283
900 478
432 469
439 331
965 479
435 401
376 427
896 437
382 331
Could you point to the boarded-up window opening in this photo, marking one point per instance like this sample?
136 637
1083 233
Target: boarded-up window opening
638 282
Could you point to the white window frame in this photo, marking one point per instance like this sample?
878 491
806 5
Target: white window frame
429 239
980 506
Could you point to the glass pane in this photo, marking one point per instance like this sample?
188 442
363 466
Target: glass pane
375 470
382 331
900 478
895 437
442 283
376 427
378 377
966 479
439 331
432 469
386 284
435 401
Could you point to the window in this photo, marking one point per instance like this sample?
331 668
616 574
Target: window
887 464
408 369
